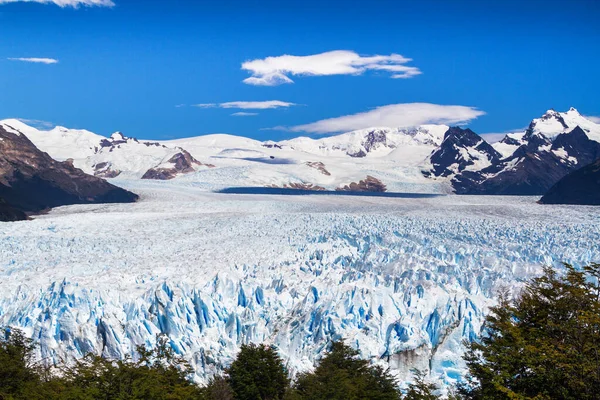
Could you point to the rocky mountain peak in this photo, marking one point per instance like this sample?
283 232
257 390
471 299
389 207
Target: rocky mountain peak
118 136
461 150
30 180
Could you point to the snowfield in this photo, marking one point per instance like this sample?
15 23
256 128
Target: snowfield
405 281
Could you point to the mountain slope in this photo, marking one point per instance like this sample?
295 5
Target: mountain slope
390 155
31 180
532 162
117 155
580 187
462 150
425 159
9 213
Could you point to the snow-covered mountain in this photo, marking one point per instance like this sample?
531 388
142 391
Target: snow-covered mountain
547 128
390 155
110 157
527 163
428 158
462 150
31 181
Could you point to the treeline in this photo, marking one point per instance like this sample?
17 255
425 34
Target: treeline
543 345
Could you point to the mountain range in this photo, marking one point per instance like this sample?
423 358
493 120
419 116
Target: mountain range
427 158
32 181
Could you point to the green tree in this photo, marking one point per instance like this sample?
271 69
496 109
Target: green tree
258 373
420 389
16 364
21 377
218 389
544 345
158 374
342 375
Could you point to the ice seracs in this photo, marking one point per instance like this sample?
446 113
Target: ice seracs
403 281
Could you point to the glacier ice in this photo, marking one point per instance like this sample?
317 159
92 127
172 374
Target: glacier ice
405 281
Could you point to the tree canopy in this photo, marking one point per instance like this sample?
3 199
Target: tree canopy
543 345
342 375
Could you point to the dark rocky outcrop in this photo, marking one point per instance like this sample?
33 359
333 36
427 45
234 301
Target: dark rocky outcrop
534 167
318 166
271 145
104 170
460 149
579 187
31 181
369 184
181 163
300 186
9 213
117 139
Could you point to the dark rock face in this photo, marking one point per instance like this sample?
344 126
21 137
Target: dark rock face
534 167
183 163
318 166
104 170
31 181
370 184
525 174
271 145
460 149
580 187
578 146
300 186
117 139
372 141
8 213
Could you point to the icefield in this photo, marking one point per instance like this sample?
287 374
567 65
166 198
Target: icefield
404 281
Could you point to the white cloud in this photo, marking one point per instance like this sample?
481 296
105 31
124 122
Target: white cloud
394 115
244 114
496 137
493 137
593 119
248 105
66 3
36 60
273 71
36 123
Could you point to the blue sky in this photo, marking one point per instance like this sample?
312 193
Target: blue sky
140 66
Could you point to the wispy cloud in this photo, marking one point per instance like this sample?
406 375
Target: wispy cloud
244 114
493 137
66 3
273 71
496 137
593 118
35 60
394 115
248 105
36 123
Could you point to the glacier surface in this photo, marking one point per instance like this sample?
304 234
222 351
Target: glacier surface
404 281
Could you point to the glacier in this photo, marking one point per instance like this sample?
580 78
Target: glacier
404 281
